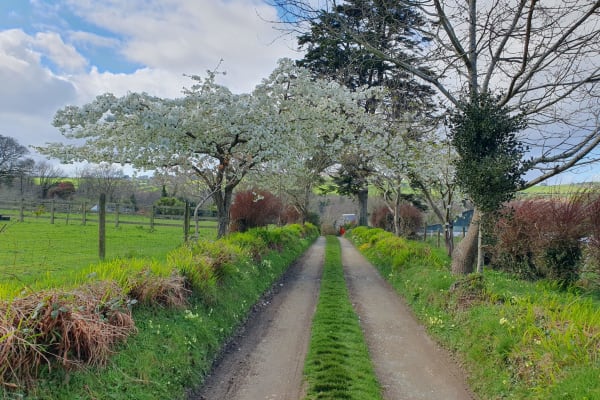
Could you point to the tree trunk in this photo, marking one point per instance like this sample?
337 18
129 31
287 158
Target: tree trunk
449 238
396 215
363 197
479 251
463 258
223 203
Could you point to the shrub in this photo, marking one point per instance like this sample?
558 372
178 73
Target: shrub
197 270
148 289
410 219
382 218
63 190
169 206
250 242
290 215
541 238
254 208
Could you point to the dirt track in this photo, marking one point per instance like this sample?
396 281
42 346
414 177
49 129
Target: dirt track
266 362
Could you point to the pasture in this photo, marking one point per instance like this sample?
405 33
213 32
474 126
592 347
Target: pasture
34 250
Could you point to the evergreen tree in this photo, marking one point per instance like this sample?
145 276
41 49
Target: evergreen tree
391 27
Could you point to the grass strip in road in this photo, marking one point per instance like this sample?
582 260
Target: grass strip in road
338 364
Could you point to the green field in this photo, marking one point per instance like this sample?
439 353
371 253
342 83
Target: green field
35 250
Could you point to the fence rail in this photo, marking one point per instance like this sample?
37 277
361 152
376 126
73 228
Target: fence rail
103 213
86 211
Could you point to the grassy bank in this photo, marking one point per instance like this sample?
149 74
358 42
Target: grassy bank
338 365
518 340
177 337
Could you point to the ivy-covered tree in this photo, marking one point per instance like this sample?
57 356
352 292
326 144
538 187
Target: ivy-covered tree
490 165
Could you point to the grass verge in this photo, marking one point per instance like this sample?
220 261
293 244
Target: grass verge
518 340
338 365
175 345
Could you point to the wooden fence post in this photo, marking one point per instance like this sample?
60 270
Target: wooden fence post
439 235
102 227
22 211
117 215
52 212
152 217
186 222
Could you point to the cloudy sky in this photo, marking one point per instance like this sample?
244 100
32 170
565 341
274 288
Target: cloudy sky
59 52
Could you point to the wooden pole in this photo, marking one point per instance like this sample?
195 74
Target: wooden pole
186 222
52 212
22 211
152 218
102 227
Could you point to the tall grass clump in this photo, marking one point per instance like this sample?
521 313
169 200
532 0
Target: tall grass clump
337 365
516 338
57 328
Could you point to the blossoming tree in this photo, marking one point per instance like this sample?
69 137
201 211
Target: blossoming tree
210 131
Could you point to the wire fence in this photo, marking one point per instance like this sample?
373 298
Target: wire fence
43 237
83 212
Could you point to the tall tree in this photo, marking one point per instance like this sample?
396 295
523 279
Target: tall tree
542 57
332 52
102 178
11 157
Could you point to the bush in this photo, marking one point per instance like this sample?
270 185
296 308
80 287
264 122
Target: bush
169 206
254 208
58 327
393 251
290 215
541 239
382 218
410 219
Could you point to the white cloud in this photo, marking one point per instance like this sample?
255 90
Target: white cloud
91 39
191 36
63 55
27 86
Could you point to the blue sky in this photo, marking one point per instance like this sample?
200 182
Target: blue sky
59 52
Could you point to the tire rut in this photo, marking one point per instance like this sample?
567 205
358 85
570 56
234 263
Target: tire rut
408 363
266 361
